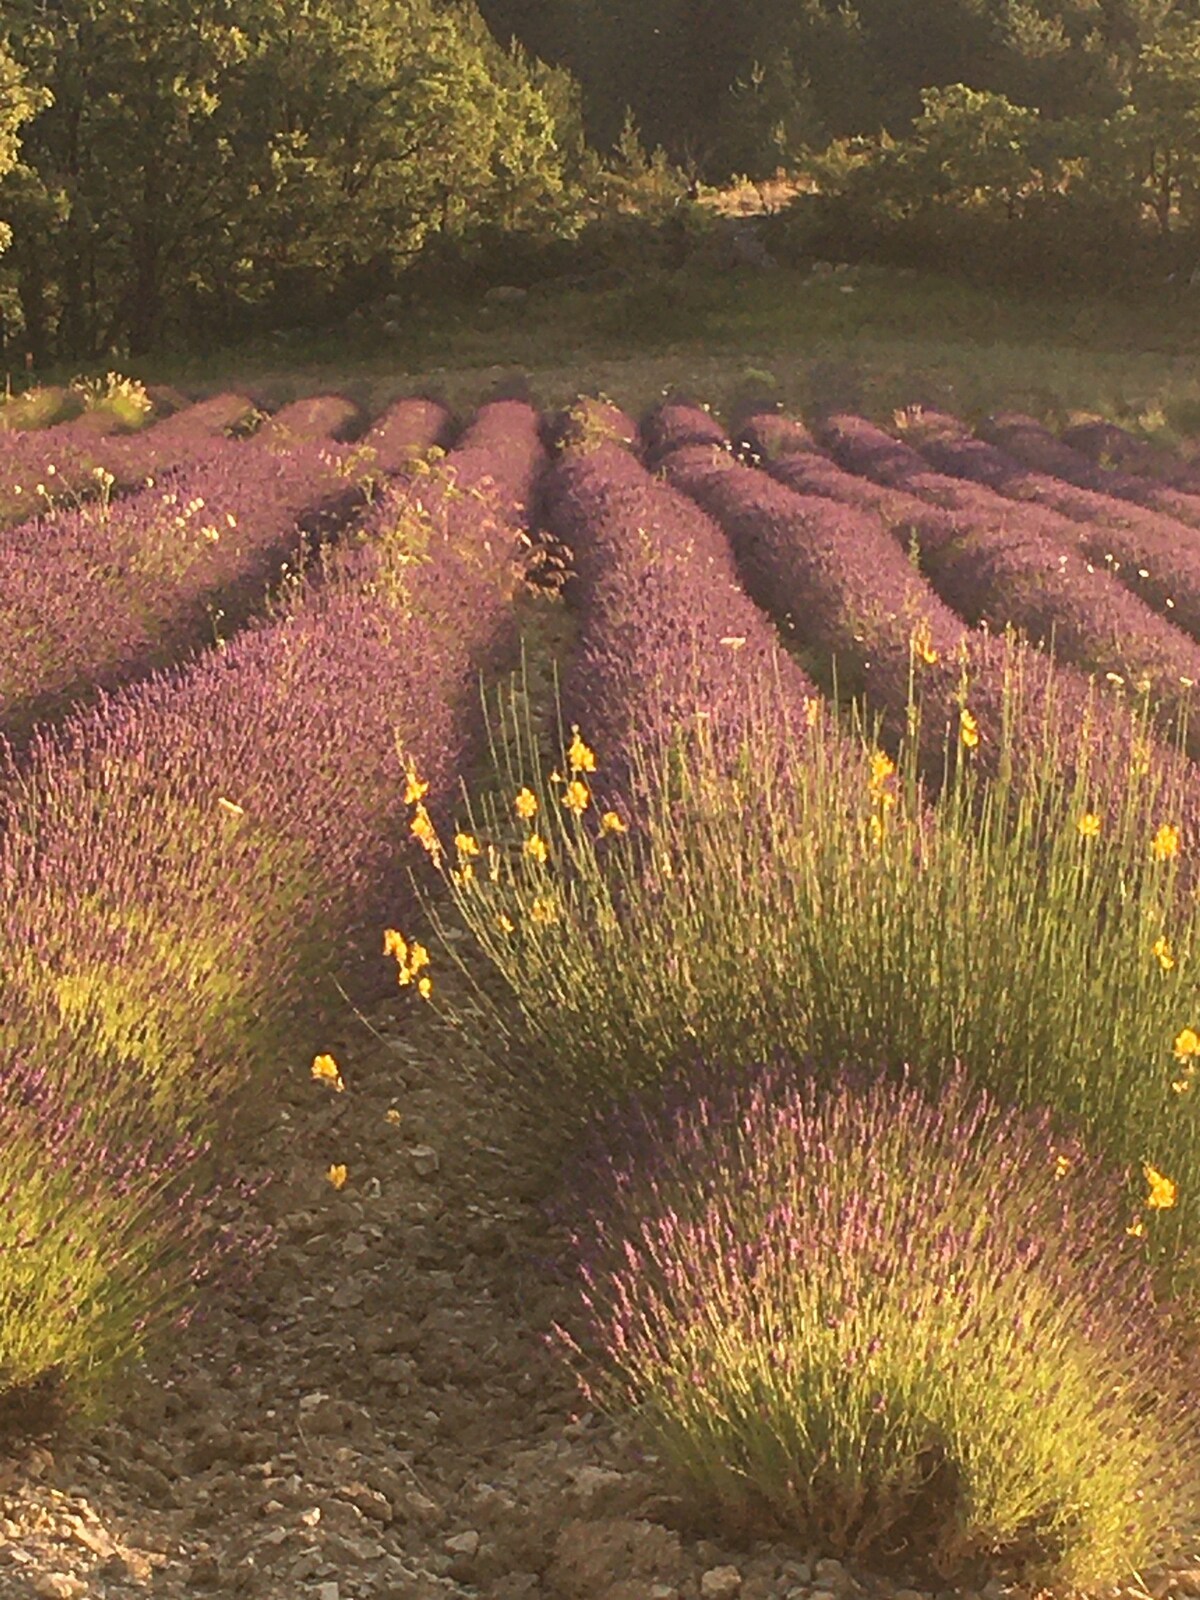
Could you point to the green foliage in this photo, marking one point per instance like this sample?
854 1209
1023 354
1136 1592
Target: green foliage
198 161
850 922
19 101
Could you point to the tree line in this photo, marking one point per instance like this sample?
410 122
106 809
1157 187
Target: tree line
172 171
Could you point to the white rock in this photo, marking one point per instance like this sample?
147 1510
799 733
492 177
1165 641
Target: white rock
463 1544
720 1583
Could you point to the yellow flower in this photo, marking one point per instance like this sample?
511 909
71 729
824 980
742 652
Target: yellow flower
414 789
392 1115
1164 1192
968 728
337 1176
1062 1165
1136 1229
526 805
423 830
922 643
1187 1045
493 863
576 796
610 822
1184 1085
464 876
812 711
325 1069
536 847
882 767
543 911
410 958
1089 825
1165 843
425 987
877 830
579 756
466 844
1162 949
505 924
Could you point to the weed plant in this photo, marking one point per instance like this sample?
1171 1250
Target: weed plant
910 1331
1038 932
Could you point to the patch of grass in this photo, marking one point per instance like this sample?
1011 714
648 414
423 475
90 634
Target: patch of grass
1033 933
890 340
39 408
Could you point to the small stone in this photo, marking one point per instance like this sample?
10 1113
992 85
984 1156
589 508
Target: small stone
327 1591
58 1586
916 1594
425 1160
422 1507
369 1501
797 1572
463 1544
311 1517
720 1583
663 1591
590 1481
830 1574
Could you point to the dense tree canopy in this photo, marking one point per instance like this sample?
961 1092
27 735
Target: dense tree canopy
187 171
196 158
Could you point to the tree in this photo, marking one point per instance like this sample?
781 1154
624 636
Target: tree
20 100
200 159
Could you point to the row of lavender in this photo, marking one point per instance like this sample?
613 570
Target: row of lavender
808 1295
97 595
60 465
178 869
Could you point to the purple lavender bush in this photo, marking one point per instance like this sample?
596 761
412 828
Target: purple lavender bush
1111 446
1015 564
1154 556
677 422
1039 447
129 1221
668 639
899 1328
181 866
94 597
309 421
63 464
828 573
838 585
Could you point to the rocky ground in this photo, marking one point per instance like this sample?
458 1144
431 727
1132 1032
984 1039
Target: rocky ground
379 1418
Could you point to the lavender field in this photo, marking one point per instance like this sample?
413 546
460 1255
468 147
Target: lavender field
794 822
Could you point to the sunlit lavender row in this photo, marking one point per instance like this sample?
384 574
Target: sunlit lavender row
181 866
